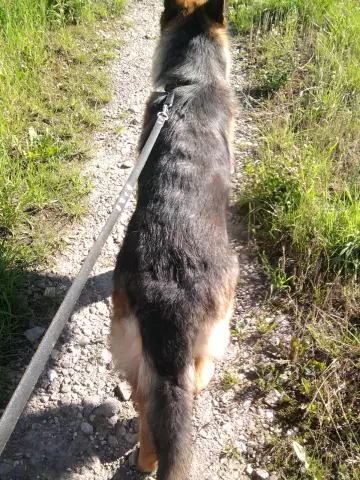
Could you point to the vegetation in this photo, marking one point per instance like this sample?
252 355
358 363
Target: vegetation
51 85
302 197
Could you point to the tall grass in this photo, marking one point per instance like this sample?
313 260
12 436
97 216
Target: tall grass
50 89
302 189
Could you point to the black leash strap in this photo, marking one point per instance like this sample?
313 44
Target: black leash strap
23 391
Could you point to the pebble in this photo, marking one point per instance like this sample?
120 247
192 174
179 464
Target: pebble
55 354
133 458
109 408
101 307
123 391
127 164
33 334
131 438
50 292
52 374
120 431
106 356
112 441
65 388
273 397
260 474
83 341
135 424
249 469
113 420
87 428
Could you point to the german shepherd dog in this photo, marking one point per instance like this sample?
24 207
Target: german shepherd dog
175 275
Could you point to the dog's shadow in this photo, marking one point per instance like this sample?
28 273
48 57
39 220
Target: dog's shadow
72 443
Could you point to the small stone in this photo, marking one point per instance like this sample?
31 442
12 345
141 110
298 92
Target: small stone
133 458
106 356
33 334
204 434
127 164
65 388
83 341
123 391
135 424
120 431
50 292
260 474
87 332
273 397
52 374
54 354
112 441
101 307
113 421
66 364
131 438
249 469
109 408
269 414
87 428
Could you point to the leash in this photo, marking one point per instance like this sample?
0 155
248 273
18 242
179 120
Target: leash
28 381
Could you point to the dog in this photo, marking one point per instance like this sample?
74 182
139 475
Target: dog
175 275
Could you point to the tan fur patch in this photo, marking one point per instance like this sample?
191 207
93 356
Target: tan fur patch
147 457
204 371
190 5
213 339
125 339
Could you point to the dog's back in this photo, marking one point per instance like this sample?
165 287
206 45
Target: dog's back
175 274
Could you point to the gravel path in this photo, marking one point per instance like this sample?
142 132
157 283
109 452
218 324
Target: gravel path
79 423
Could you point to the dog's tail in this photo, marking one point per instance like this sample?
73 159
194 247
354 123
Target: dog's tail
169 412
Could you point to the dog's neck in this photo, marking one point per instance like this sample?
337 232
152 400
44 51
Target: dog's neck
190 57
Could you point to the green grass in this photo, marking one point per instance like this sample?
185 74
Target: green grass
230 379
52 84
301 192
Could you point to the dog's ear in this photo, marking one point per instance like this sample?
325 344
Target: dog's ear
215 9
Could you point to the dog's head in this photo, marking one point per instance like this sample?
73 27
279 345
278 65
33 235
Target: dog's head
178 9
194 43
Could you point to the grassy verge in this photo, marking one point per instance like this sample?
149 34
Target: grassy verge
51 87
302 195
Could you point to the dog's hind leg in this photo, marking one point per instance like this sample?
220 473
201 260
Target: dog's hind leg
147 457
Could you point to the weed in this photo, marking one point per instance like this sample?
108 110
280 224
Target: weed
50 93
265 325
302 194
230 379
239 331
231 452
119 128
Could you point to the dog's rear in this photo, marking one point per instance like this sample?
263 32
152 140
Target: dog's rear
175 275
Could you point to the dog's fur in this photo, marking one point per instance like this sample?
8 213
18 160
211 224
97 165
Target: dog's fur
175 275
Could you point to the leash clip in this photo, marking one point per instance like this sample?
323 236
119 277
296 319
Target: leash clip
164 114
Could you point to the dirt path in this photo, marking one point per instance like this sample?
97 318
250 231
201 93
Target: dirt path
74 426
